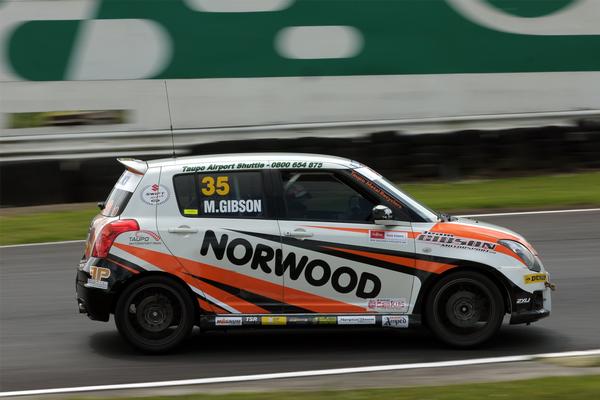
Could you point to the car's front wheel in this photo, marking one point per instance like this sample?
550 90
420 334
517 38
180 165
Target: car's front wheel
465 309
154 314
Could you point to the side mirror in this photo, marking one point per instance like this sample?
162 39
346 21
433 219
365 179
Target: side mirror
382 215
101 205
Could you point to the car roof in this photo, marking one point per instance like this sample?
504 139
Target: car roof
254 157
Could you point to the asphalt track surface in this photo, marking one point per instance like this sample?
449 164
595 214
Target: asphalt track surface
45 343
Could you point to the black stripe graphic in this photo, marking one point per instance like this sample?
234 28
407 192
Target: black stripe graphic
126 263
273 306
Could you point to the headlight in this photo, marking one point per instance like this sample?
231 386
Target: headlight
524 254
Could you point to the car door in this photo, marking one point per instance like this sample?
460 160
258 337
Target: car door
215 231
336 260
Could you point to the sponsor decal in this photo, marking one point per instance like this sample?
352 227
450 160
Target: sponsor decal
394 321
535 278
232 206
524 300
96 284
273 320
325 320
155 194
376 189
316 272
224 167
189 211
295 164
388 305
144 238
356 320
251 321
388 236
456 242
228 321
98 274
299 320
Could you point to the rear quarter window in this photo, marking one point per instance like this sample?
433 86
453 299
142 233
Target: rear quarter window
120 194
221 195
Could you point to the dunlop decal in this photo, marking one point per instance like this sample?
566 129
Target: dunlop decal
535 278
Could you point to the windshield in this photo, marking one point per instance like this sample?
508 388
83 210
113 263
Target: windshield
121 193
426 213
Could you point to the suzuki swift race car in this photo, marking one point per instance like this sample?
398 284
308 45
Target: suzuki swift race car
262 240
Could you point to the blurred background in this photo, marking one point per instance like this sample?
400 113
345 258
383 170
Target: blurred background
439 90
472 106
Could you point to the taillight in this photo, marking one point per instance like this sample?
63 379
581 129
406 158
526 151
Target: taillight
109 233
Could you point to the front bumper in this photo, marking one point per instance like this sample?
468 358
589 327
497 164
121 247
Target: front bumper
530 307
96 303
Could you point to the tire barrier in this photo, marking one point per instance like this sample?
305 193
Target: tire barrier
398 155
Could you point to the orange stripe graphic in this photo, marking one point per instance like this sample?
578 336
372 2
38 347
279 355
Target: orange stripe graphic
205 305
268 289
297 298
428 266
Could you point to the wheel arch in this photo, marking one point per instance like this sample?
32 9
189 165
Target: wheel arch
491 273
174 278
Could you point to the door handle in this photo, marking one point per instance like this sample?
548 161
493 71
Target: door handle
183 230
299 234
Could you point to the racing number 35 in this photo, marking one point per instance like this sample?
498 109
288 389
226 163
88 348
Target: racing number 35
221 187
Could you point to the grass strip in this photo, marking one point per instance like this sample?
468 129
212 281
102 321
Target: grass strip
552 191
539 192
46 226
555 388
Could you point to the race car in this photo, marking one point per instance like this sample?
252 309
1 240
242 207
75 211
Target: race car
295 240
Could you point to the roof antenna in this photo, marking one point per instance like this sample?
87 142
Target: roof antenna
170 118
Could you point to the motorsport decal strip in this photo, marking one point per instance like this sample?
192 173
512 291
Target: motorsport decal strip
311 302
409 234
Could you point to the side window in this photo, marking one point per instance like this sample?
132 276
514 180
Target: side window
221 194
323 196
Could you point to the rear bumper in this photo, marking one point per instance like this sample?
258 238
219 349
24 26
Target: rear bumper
96 303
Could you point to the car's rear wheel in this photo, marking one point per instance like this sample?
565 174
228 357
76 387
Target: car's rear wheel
154 314
465 309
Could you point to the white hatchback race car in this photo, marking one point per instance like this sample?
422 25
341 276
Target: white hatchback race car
296 240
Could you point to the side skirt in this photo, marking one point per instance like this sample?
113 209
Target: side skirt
228 321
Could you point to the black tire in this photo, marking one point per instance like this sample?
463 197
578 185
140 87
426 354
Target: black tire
465 309
155 314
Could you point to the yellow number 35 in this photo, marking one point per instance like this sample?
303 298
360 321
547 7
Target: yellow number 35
222 186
